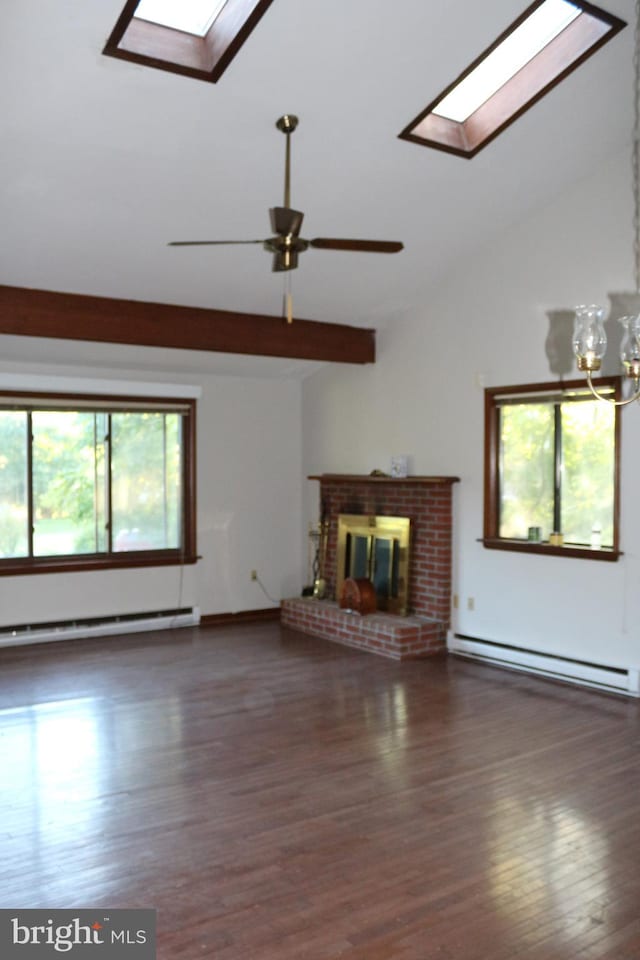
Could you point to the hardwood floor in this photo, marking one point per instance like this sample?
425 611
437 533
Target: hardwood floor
277 796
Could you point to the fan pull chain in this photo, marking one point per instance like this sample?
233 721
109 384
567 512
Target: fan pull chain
287 300
289 285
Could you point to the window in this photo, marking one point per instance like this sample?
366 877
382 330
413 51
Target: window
551 468
549 40
197 38
89 483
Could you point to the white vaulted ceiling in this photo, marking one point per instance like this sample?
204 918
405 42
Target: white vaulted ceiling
104 161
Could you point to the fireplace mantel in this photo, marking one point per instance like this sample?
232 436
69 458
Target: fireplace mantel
367 478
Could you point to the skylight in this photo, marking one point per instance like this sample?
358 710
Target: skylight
549 40
189 16
196 38
511 55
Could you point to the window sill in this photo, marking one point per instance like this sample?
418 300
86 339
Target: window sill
24 567
566 550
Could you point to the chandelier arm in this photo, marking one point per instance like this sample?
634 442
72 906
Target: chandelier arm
614 403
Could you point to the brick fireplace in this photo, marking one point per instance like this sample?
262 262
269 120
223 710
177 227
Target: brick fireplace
427 501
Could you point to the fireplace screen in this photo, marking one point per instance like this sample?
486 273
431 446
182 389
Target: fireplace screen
376 548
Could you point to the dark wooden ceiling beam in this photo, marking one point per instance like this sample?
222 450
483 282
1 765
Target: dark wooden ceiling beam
70 316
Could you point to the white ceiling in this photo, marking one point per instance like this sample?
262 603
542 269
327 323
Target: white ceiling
104 161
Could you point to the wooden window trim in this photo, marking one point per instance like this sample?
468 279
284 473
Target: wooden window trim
490 539
523 546
202 58
581 39
28 565
21 566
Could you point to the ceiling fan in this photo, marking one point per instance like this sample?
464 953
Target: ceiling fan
286 243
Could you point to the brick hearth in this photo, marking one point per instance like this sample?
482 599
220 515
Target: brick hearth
427 501
402 638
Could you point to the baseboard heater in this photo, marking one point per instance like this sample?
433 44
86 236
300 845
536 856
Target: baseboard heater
98 626
583 673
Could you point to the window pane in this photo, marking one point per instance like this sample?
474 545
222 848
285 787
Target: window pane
588 463
146 481
101 428
14 530
67 462
526 469
190 16
510 56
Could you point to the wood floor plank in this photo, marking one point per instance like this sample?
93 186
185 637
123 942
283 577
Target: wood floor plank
276 796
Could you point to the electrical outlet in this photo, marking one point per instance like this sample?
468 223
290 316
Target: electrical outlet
455 601
254 574
471 603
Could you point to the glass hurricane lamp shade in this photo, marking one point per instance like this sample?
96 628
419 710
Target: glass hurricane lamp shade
630 347
589 337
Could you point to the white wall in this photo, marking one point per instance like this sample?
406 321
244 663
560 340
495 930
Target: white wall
486 324
248 496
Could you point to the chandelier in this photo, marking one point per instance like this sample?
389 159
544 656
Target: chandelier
589 335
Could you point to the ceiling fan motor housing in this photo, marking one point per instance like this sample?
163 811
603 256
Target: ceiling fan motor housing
285 250
286 221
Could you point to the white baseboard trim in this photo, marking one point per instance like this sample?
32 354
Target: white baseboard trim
99 626
598 676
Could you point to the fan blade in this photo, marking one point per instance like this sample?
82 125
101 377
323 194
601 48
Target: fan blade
207 243
285 221
362 246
